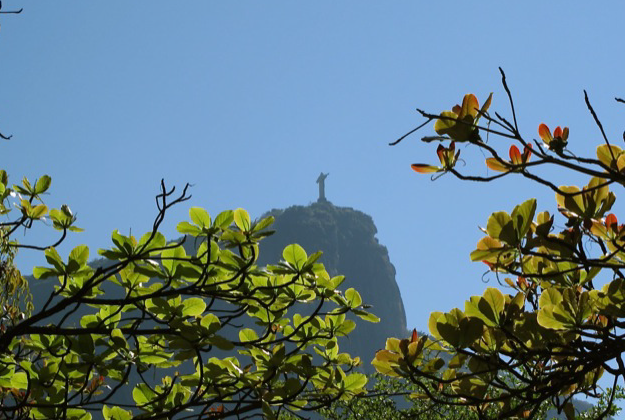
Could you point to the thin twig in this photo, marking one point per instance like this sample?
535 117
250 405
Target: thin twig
410 132
505 86
594 115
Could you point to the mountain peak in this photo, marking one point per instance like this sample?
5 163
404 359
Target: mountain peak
347 238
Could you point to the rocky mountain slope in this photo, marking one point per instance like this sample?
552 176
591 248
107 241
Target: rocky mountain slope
350 248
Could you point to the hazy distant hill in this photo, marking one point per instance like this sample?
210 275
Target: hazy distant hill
347 239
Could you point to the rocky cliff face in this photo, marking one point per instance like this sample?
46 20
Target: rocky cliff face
350 248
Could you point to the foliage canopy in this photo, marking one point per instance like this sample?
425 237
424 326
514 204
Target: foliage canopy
555 333
164 323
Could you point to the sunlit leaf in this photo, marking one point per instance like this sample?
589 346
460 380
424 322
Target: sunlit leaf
425 169
193 306
295 255
200 217
242 219
496 165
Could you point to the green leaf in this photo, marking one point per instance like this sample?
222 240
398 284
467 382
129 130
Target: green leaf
247 334
313 258
200 217
522 217
171 258
53 258
19 380
346 327
488 308
354 381
432 324
353 297
38 211
156 240
80 254
78 414
122 242
367 316
608 154
211 322
223 219
142 394
295 255
459 330
457 361
27 185
267 221
43 273
554 318
574 203
242 220
444 126
221 343
500 226
550 296
495 299
193 306
89 321
117 337
115 413
43 184
187 228
480 307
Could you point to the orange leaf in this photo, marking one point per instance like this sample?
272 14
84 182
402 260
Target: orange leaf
415 336
565 133
470 105
496 165
544 133
424 169
527 152
557 132
611 222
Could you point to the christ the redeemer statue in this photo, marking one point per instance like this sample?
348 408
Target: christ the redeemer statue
322 187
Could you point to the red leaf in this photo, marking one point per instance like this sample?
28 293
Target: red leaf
440 151
515 155
415 336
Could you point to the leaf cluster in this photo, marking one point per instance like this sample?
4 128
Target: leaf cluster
555 334
185 335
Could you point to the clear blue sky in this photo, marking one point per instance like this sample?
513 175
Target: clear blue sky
250 100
